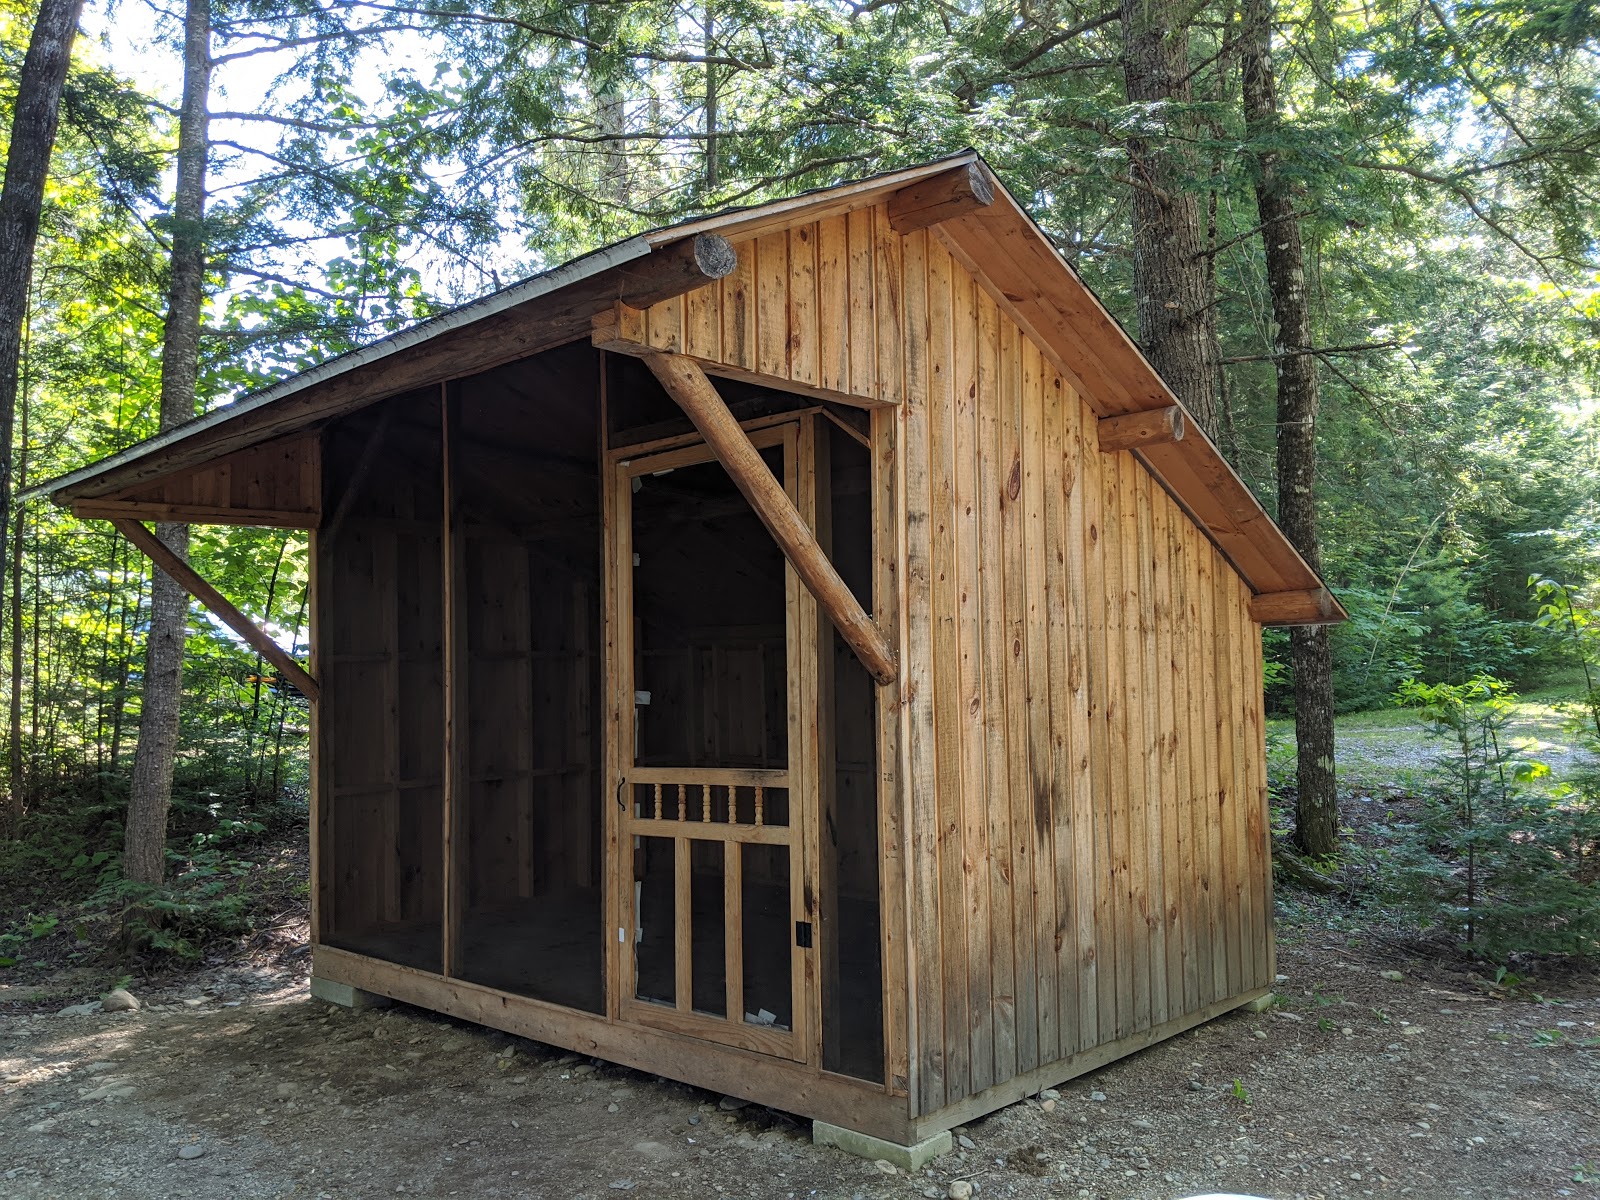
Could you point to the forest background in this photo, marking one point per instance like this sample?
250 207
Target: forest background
368 164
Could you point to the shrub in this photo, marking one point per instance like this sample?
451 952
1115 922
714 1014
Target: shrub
1501 866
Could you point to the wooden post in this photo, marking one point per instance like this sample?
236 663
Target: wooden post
189 580
1153 427
686 383
321 793
455 687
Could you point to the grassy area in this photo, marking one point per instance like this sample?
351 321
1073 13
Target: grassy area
1390 750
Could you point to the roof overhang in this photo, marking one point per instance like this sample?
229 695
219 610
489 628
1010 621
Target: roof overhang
998 242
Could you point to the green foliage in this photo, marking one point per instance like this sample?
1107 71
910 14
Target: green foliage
67 865
1574 622
1499 866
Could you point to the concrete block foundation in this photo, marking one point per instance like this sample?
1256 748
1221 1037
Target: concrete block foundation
346 996
907 1158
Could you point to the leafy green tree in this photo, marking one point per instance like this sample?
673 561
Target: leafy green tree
35 114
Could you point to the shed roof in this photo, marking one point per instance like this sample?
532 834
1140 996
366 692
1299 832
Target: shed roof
999 243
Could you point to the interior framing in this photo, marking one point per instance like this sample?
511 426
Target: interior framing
798 429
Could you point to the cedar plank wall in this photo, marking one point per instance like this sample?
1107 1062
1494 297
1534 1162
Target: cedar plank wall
1082 727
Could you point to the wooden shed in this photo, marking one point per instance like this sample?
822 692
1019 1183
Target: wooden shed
803 652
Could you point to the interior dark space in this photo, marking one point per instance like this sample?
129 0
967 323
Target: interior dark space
380 653
527 457
714 639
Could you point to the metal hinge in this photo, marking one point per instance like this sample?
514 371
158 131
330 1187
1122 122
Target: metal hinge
802 934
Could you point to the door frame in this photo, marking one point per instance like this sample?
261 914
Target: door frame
795 433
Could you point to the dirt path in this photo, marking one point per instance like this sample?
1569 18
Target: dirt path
1361 1086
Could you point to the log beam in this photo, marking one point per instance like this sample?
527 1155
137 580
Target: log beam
940 197
190 581
1313 606
191 514
675 269
687 384
1152 427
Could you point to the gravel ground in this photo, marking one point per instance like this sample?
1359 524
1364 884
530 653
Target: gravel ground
234 1084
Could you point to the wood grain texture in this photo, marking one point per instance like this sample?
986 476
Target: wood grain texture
1070 767
1052 617
940 198
1152 427
950 860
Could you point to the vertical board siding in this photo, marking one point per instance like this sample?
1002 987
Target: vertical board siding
928 1034
968 582
1018 796
1036 703
957 968
1081 782
990 708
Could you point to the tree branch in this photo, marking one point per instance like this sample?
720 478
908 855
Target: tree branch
1062 36
1466 197
1318 351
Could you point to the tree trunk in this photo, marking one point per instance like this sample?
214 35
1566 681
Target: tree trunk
33 137
18 785
1316 808
1177 310
144 855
